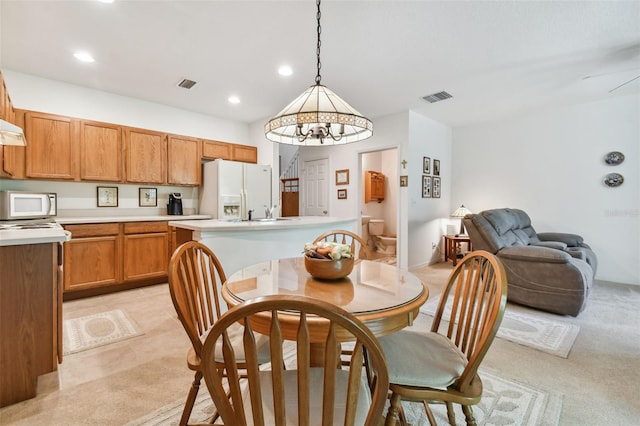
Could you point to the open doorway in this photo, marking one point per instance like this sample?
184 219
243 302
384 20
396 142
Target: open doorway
379 206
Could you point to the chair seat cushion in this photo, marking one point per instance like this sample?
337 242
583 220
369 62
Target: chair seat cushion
422 359
315 388
235 335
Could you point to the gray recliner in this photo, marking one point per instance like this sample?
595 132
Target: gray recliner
549 271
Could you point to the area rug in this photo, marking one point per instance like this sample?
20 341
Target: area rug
83 333
504 402
529 328
389 260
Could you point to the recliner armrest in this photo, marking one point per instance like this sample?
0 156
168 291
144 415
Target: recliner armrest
534 254
571 240
552 244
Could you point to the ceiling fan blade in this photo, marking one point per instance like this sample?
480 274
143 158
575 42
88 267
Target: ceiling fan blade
625 83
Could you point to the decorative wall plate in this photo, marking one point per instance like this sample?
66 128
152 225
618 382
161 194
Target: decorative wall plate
614 158
613 179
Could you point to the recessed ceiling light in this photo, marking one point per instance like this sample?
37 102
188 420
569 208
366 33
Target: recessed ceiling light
84 57
285 70
234 99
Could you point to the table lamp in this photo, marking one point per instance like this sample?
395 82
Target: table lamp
461 212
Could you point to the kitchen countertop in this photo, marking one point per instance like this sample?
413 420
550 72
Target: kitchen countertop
110 219
215 225
10 237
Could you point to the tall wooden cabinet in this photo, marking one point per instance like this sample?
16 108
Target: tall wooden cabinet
373 186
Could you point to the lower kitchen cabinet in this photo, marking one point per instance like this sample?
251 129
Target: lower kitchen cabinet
107 257
146 248
93 256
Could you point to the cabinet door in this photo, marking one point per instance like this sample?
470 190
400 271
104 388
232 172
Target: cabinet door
13 161
52 146
214 149
100 151
145 256
92 257
247 154
183 162
146 157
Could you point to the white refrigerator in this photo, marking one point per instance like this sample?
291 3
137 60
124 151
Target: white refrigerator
230 189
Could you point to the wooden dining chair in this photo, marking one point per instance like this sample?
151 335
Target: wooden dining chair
358 245
442 365
195 275
302 395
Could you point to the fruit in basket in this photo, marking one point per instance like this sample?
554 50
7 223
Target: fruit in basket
327 250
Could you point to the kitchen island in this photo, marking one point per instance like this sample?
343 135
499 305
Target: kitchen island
238 244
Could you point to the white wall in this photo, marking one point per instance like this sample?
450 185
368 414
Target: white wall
550 164
428 217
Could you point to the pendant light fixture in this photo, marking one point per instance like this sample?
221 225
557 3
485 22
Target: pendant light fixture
318 116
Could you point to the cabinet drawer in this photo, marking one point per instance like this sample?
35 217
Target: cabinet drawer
145 227
92 230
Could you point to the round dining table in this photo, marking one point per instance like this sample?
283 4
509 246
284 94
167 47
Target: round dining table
384 297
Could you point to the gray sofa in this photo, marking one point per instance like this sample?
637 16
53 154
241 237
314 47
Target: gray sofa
548 271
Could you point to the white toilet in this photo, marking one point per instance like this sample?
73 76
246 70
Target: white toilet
383 243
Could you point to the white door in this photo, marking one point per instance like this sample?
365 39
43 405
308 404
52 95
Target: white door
316 188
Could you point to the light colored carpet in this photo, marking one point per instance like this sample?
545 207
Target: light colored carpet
88 332
530 328
504 402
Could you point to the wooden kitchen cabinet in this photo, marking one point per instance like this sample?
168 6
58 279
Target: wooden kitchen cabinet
12 157
229 151
146 156
100 151
373 186
245 153
107 257
183 160
146 250
214 149
52 146
29 318
93 256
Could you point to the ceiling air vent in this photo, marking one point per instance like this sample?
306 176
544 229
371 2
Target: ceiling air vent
186 83
437 97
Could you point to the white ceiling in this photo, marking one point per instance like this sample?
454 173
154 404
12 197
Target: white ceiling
495 57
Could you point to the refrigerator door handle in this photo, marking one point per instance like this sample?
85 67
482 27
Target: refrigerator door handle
243 204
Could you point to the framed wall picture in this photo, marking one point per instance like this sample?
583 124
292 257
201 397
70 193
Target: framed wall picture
426 165
342 194
436 187
426 186
148 197
342 177
436 167
107 196
404 180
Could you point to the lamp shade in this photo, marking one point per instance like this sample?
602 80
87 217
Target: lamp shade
305 121
10 134
460 212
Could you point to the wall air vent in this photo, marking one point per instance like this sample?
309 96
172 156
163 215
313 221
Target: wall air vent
186 83
437 97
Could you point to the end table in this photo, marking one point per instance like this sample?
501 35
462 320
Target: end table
452 244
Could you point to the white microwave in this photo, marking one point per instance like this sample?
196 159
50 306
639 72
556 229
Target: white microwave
27 205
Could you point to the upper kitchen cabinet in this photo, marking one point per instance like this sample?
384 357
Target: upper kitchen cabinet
247 154
146 156
183 163
214 149
52 142
100 151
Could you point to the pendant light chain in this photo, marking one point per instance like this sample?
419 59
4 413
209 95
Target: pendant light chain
318 15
